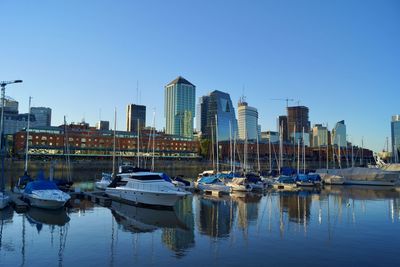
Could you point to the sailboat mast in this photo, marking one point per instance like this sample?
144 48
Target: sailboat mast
212 146
27 137
269 153
115 127
154 133
327 148
230 145
216 138
304 154
339 154
138 144
234 151
298 156
258 154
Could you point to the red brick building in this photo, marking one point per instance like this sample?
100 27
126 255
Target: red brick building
84 141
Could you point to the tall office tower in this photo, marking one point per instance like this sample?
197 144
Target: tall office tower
247 121
319 135
201 116
180 98
218 104
103 125
297 122
339 134
42 115
135 114
282 122
395 127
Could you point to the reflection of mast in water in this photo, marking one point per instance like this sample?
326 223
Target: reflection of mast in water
23 241
112 242
63 240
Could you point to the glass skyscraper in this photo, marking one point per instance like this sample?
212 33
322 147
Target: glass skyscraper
180 98
395 128
339 134
220 104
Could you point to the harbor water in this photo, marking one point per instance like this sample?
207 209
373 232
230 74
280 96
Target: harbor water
336 226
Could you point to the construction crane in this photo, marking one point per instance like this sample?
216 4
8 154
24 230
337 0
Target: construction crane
283 99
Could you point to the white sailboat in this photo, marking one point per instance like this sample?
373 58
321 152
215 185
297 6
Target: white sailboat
106 178
25 178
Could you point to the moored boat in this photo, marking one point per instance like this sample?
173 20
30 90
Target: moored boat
144 187
45 194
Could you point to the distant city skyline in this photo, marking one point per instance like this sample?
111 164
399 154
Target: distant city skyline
340 59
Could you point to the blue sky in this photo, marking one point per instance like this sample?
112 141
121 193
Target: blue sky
339 58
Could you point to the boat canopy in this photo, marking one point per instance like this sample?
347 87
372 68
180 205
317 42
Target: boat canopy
209 179
40 185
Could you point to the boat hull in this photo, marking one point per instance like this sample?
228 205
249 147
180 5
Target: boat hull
101 185
46 203
145 197
365 182
4 200
213 187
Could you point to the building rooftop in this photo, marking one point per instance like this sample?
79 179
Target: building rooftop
180 80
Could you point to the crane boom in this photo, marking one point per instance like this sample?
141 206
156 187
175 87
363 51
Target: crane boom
283 99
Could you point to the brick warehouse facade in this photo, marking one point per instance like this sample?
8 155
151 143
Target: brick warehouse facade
85 141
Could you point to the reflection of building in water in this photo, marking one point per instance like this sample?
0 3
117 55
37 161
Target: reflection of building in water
215 216
247 205
297 205
176 239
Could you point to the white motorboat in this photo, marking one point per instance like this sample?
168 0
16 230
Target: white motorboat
145 187
45 194
240 185
4 200
106 179
211 183
285 183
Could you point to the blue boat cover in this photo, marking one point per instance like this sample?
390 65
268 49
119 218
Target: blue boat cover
39 185
209 179
288 171
166 178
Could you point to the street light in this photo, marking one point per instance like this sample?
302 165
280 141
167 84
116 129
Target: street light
3 95
3 198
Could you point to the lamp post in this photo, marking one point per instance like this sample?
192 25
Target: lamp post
3 198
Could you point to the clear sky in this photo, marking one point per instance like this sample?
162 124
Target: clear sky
83 58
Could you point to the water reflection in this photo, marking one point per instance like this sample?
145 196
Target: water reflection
215 215
6 216
178 239
247 208
224 228
40 217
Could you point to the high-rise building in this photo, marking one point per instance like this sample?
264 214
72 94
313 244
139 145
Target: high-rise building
395 129
201 117
42 116
270 136
135 117
319 135
282 124
339 134
180 98
247 121
13 121
220 104
298 119
103 125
